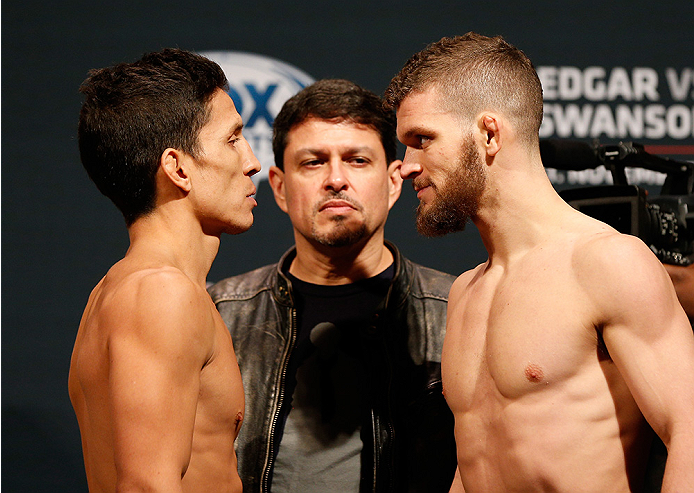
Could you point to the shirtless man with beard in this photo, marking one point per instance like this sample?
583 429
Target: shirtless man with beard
569 341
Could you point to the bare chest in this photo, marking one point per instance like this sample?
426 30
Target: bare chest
221 398
516 334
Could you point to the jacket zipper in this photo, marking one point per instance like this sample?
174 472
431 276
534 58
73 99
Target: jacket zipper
391 465
269 456
374 452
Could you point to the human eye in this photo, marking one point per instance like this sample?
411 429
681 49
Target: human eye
235 135
422 140
310 163
358 161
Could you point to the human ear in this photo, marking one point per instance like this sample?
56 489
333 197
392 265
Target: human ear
491 128
276 179
173 165
394 182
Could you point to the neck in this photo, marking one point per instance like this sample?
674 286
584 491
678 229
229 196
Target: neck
519 211
169 240
319 264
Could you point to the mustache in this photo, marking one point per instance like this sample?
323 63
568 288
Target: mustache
419 183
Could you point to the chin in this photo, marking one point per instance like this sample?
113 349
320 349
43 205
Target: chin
239 227
341 236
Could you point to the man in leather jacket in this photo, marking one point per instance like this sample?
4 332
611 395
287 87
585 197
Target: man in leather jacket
339 343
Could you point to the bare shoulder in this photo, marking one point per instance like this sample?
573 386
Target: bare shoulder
156 288
156 305
614 258
622 275
464 281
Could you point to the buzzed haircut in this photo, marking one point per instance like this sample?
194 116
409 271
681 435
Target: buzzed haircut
133 112
474 73
334 100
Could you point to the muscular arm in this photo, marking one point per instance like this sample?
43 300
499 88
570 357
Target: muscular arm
457 486
651 343
683 279
157 347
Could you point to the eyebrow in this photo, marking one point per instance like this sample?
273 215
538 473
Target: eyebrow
236 127
347 150
416 130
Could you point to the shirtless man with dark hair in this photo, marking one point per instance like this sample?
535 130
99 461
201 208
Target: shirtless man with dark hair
153 379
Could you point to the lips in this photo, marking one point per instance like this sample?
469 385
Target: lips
420 187
336 204
252 196
421 191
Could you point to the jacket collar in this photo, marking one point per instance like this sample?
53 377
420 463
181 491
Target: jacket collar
282 288
402 281
399 288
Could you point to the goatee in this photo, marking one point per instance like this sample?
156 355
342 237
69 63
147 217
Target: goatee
341 235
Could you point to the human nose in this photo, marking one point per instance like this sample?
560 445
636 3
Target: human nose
336 179
251 164
410 166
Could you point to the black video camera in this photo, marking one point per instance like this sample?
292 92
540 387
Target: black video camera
664 222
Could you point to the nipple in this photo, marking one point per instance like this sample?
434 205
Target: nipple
239 419
534 373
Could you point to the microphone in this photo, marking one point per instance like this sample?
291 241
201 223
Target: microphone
572 155
569 155
326 337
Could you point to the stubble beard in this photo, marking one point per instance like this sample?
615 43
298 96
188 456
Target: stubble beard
457 199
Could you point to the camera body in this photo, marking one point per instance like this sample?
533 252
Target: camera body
664 222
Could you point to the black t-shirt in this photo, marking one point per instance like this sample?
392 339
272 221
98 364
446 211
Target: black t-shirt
318 441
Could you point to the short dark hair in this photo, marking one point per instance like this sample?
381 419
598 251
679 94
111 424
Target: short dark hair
473 73
334 100
133 112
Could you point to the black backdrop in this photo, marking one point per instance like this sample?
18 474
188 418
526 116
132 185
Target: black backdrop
59 235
